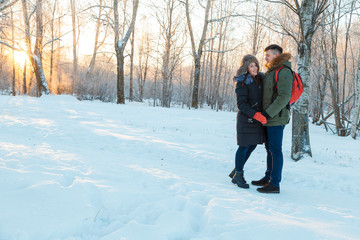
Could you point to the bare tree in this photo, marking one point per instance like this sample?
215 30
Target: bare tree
309 13
256 29
320 73
347 39
13 53
170 20
356 112
143 63
74 42
197 53
224 9
58 58
131 88
52 50
36 54
98 42
120 44
339 97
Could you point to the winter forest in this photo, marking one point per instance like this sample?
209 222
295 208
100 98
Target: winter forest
173 52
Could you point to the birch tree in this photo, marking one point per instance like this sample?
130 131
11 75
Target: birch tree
13 52
121 38
131 87
356 111
35 55
74 42
309 13
52 51
197 53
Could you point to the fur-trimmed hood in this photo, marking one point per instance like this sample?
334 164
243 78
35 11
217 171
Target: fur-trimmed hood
279 60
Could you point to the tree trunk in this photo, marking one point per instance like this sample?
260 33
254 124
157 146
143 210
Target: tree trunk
13 54
120 76
347 39
35 57
169 21
131 90
52 52
24 79
334 66
195 93
356 112
165 71
74 38
300 119
120 45
39 70
96 45
197 53
58 58
256 30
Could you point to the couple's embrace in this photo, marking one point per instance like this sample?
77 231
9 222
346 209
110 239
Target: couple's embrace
262 115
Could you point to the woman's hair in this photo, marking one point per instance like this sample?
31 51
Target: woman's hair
245 63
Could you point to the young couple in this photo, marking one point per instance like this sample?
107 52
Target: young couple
262 115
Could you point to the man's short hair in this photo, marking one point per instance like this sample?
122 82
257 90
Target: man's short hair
275 48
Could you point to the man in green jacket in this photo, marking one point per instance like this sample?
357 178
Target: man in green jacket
276 110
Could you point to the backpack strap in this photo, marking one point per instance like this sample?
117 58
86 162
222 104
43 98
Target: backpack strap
276 79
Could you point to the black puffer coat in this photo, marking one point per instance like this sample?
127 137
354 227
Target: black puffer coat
249 101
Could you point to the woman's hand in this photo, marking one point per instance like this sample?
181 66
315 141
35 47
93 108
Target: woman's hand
259 117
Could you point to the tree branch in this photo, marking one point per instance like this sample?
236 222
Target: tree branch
223 51
10 46
53 40
286 3
223 18
7 5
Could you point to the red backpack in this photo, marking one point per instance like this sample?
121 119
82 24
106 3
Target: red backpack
297 86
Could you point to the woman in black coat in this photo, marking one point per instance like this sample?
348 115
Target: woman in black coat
249 123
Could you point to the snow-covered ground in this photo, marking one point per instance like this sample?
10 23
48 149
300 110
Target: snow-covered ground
92 170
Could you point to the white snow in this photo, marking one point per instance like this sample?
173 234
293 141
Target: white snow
92 170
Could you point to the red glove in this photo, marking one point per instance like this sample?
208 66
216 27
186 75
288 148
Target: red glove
258 116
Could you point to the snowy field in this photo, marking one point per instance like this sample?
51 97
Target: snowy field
91 170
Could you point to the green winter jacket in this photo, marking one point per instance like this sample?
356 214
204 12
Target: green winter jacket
275 100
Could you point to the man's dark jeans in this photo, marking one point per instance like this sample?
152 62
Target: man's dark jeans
275 158
242 155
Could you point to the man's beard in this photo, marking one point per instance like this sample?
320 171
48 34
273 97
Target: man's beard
268 65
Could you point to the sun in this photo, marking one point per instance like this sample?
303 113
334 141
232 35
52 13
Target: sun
20 58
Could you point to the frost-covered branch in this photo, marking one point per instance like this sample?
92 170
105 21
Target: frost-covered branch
10 46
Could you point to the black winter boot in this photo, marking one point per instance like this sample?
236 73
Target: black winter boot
231 175
269 188
239 179
261 182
